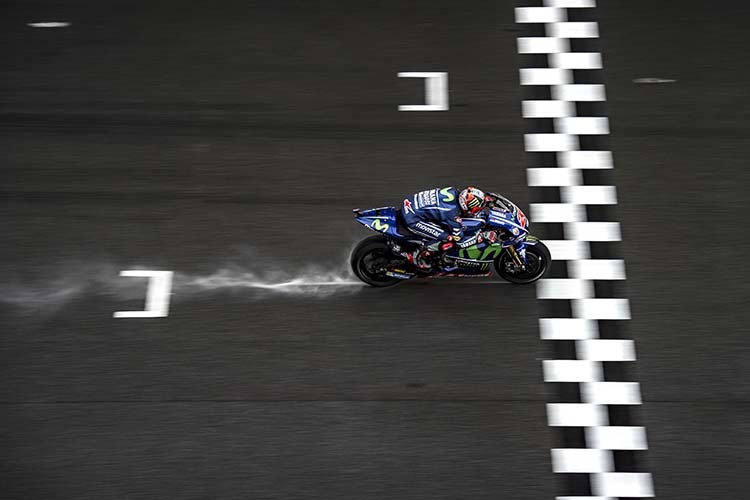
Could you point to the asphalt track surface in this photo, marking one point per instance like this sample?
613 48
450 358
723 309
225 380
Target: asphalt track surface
236 137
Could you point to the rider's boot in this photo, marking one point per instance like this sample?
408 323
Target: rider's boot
419 258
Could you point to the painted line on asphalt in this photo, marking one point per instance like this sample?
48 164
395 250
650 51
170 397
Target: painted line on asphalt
49 24
573 200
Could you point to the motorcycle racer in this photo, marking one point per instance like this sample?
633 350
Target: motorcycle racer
435 215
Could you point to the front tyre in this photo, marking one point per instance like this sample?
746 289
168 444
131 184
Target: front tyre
538 261
370 261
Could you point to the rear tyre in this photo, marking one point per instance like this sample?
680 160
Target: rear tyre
538 262
370 261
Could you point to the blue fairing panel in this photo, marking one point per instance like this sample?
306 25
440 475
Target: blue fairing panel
471 225
381 220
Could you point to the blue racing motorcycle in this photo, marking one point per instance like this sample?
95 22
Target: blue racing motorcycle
498 237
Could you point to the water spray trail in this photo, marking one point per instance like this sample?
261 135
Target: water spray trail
264 278
312 281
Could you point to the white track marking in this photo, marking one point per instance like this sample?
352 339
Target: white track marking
576 60
617 438
557 212
584 498
49 24
622 484
606 349
568 329
564 288
586 159
576 415
579 92
568 249
611 393
589 195
602 269
573 30
550 142
567 4
572 460
599 398
542 45
539 15
613 309
435 87
547 109
553 176
572 370
545 76
593 231
157 296
582 125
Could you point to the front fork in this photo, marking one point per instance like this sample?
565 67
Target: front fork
518 256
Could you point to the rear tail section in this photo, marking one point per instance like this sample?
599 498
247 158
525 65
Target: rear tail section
381 220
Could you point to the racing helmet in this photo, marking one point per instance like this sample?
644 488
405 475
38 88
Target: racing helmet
471 201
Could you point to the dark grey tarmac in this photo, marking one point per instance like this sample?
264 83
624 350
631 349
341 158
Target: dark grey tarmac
237 136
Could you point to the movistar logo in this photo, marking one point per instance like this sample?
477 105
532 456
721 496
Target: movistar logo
447 195
428 229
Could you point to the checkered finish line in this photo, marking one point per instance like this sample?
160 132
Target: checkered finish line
601 450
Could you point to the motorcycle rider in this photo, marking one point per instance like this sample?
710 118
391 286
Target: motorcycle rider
435 215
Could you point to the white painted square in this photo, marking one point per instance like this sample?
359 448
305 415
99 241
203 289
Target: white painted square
570 3
576 415
547 109
553 176
617 438
557 212
542 45
586 159
573 30
582 125
540 15
593 231
576 60
579 92
623 484
597 269
564 288
572 460
545 76
568 329
611 393
572 370
601 309
568 249
550 142
585 498
606 349
589 195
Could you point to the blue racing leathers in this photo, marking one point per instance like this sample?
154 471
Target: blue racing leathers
434 214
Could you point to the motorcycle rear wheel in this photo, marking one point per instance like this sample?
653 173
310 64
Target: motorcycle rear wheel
370 260
538 258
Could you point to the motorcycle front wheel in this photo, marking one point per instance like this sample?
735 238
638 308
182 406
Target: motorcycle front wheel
538 261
